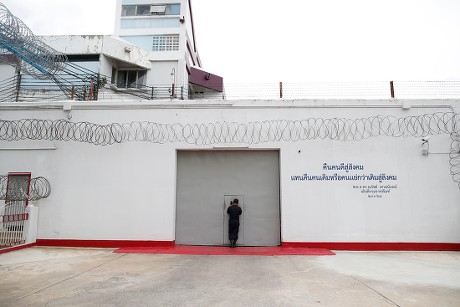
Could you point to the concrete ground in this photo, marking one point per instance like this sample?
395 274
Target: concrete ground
97 277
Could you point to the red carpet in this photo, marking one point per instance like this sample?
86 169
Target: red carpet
224 250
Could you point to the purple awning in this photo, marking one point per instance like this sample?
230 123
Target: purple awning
206 80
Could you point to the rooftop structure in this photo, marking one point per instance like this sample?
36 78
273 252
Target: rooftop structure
152 55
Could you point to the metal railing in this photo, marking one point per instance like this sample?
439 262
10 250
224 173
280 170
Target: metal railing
152 92
26 88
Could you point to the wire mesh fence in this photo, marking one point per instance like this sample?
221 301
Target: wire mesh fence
308 90
344 90
26 88
427 89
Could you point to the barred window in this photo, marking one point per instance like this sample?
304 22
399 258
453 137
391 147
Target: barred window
145 10
165 42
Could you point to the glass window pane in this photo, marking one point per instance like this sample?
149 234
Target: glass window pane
114 74
173 9
121 80
132 78
141 78
143 10
128 10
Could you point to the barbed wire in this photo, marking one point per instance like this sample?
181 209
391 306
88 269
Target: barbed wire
454 157
256 132
17 189
341 129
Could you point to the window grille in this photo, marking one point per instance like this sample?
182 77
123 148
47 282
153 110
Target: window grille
165 42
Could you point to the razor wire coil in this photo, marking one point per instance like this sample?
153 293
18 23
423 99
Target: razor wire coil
341 129
39 59
256 132
39 187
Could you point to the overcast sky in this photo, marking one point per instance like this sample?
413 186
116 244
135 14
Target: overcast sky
293 40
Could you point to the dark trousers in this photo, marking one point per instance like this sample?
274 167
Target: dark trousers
233 228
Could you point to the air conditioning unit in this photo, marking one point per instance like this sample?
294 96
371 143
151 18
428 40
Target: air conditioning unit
157 9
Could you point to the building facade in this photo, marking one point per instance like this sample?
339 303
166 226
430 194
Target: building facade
344 174
133 170
166 30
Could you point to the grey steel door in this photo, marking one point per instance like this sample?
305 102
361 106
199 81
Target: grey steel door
203 180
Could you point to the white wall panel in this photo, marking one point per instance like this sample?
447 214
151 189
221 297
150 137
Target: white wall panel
127 191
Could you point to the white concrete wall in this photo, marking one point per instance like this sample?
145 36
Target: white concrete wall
106 66
32 224
127 191
420 206
75 44
99 44
160 74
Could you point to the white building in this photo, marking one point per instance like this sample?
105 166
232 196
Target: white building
152 55
165 28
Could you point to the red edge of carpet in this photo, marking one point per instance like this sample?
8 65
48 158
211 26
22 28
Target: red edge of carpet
350 246
225 250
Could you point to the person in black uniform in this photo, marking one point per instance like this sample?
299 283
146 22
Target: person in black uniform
234 212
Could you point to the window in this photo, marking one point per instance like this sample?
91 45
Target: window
165 42
172 9
158 9
131 78
17 187
128 10
145 10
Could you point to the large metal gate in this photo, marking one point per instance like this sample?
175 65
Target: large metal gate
206 182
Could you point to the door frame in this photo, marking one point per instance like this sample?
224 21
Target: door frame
230 149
